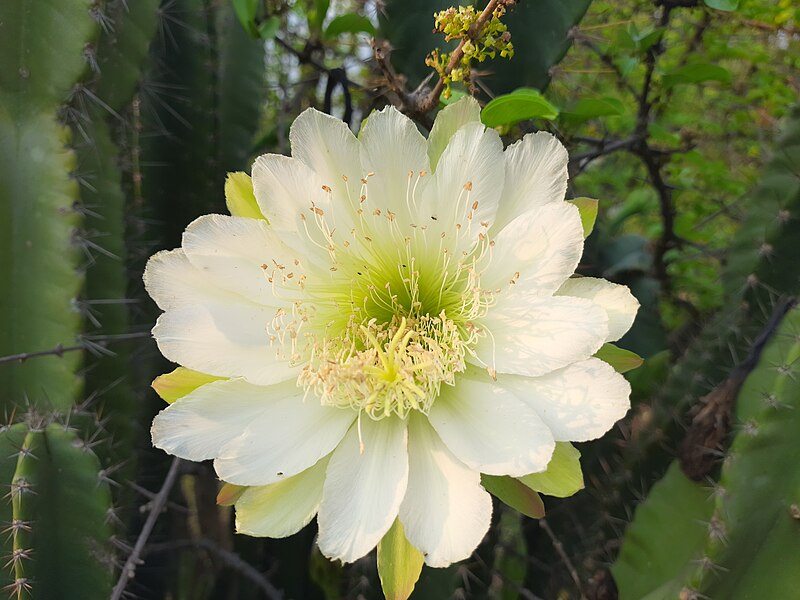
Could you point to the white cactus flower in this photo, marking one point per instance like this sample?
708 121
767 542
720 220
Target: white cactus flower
401 321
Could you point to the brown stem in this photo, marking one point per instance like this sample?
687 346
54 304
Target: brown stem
429 102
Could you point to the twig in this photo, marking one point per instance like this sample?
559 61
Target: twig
559 547
156 505
231 559
606 58
305 57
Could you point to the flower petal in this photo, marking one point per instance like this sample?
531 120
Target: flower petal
289 435
491 430
539 249
451 118
617 300
445 512
467 184
243 255
285 189
363 489
172 281
536 174
284 508
579 402
532 335
391 149
226 340
325 144
198 425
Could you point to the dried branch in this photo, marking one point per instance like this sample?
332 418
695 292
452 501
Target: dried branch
156 506
230 559
606 59
559 547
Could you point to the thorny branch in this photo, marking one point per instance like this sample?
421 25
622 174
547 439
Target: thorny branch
95 344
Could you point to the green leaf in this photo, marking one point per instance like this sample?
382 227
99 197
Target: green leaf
239 196
348 23
622 360
178 383
563 476
316 15
519 105
696 73
399 564
246 11
590 108
268 28
646 38
587 207
512 492
726 5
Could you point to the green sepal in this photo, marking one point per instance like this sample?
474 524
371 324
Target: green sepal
587 207
172 386
229 493
513 493
622 360
239 196
399 563
563 476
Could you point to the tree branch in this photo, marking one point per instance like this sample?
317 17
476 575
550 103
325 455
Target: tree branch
156 505
230 559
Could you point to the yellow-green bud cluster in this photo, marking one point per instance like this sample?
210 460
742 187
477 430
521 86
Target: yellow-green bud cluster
491 39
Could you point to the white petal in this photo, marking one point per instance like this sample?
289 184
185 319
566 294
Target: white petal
543 245
288 436
172 281
391 147
226 340
284 508
617 300
491 430
536 174
242 255
445 512
363 490
531 335
451 118
286 188
470 160
579 402
198 425
325 144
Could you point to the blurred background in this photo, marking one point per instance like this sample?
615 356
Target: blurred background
119 120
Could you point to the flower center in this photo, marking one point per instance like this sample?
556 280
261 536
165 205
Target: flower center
393 318
386 369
